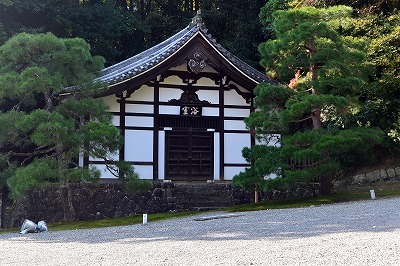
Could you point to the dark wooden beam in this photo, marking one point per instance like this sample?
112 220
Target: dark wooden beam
121 101
221 131
156 121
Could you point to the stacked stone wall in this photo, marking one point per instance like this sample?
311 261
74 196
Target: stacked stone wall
89 202
384 174
108 200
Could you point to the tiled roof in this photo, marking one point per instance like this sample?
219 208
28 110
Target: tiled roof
147 59
138 64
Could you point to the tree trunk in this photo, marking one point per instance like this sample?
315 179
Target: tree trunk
325 181
68 208
315 113
316 119
256 196
4 202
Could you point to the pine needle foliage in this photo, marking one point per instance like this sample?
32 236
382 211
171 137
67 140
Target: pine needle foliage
325 72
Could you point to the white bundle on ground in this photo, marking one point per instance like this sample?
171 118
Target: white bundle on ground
30 227
42 226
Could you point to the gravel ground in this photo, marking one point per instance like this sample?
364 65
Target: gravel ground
359 233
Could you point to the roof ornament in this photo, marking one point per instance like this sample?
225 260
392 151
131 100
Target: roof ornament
197 62
198 21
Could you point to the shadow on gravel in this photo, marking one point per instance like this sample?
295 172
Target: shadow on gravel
365 216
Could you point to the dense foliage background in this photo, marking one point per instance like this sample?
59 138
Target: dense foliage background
119 29
337 109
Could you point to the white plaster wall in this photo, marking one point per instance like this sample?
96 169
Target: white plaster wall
144 171
270 140
234 125
211 96
111 101
169 110
205 82
167 94
80 160
232 112
144 93
233 98
139 108
104 173
139 121
115 120
230 172
234 144
161 155
139 145
271 176
114 157
217 161
210 111
173 80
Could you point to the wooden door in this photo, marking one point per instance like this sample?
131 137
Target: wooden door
189 155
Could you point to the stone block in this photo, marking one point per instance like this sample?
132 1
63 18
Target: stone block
341 183
167 185
397 171
171 200
391 173
377 175
370 177
359 178
158 192
383 174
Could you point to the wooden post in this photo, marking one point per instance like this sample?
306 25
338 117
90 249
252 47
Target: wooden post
256 193
256 196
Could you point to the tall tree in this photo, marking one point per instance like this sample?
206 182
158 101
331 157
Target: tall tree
266 15
325 71
382 95
41 136
111 31
3 4
120 29
236 26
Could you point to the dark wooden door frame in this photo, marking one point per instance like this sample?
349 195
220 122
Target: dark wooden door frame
195 162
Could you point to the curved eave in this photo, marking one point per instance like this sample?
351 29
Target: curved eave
240 66
156 66
147 65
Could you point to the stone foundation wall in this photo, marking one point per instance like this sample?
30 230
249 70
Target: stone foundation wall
108 200
89 202
377 175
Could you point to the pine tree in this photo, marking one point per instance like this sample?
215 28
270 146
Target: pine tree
42 136
324 72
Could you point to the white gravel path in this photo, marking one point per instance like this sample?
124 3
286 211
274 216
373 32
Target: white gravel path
359 233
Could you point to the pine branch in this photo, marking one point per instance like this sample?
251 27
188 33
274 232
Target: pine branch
30 155
16 107
301 120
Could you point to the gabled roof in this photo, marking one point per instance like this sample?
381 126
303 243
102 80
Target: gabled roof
146 65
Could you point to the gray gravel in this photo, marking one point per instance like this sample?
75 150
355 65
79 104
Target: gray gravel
359 233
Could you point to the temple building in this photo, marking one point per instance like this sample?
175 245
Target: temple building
180 107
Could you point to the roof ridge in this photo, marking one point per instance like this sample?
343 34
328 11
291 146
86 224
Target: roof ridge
149 58
197 21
